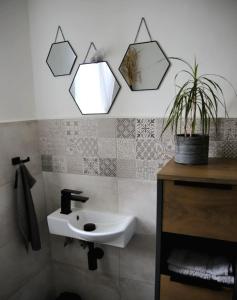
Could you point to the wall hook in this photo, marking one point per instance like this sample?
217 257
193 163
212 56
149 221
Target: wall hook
17 160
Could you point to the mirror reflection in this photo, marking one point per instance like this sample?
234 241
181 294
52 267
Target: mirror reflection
61 58
94 88
144 66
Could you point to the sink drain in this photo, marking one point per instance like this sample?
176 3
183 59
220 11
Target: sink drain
89 227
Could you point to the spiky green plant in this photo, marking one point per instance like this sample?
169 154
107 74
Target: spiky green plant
197 100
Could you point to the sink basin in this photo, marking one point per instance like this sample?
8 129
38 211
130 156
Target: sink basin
111 228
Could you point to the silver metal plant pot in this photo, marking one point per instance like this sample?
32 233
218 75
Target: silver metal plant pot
191 150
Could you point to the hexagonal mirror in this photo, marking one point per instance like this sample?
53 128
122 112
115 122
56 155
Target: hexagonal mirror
61 58
94 88
144 66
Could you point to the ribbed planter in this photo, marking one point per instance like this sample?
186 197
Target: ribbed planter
191 150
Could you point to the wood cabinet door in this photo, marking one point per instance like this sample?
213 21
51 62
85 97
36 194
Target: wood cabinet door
200 210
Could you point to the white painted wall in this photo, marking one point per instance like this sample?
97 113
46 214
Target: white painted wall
184 28
16 84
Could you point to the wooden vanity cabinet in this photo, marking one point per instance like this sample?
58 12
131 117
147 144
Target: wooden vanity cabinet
199 202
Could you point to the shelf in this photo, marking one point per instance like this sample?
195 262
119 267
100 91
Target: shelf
211 247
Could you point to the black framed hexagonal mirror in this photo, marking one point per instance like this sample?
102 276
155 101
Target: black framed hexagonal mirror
144 65
61 57
94 87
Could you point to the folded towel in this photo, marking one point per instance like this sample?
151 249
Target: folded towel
196 281
201 265
226 279
27 220
200 262
219 265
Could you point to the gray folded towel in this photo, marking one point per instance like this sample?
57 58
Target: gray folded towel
226 279
27 219
201 265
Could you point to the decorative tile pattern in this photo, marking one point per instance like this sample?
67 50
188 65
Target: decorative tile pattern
167 135
126 168
163 158
45 145
166 149
108 167
54 145
162 161
71 145
88 128
126 148
86 147
58 146
145 128
70 127
107 148
50 128
126 128
91 166
146 149
80 128
47 163
230 129
147 169
216 148
106 128
216 133
59 164
75 164
230 149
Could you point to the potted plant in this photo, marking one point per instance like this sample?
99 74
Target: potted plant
194 108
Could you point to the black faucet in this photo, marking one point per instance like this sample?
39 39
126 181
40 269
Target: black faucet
66 197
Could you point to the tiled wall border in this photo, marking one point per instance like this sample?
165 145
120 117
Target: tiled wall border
119 147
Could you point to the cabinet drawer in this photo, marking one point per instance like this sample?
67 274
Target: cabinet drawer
200 209
171 290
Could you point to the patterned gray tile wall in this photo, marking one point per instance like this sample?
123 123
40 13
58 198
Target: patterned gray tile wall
124 147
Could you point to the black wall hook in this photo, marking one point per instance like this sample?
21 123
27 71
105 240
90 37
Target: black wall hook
17 160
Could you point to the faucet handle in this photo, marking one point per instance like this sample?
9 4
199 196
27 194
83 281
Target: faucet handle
69 192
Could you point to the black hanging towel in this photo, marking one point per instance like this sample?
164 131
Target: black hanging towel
27 219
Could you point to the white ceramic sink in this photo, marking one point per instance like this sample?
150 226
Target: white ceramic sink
111 228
